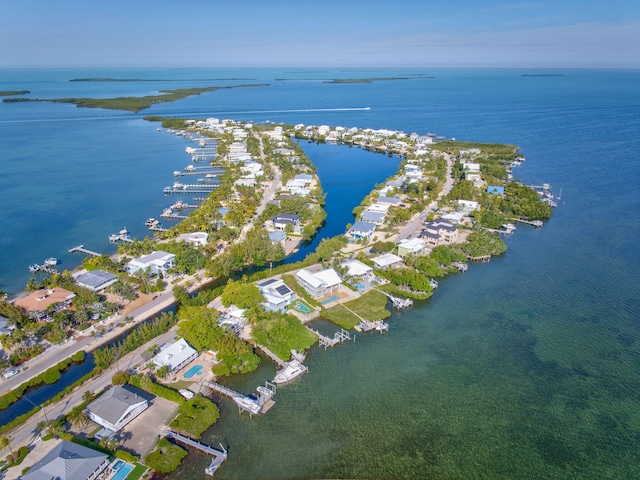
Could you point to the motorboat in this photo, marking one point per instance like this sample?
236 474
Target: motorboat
50 262
293 369
247 404
188 394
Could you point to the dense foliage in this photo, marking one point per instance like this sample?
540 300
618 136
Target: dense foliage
195 416
166 457
280 332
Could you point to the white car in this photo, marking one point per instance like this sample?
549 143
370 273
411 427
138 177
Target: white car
10 373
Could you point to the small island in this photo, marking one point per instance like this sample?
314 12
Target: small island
107 79
9 93
133 104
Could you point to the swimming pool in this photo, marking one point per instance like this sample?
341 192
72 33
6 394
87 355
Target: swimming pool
301 307
330 299
195 370
123 471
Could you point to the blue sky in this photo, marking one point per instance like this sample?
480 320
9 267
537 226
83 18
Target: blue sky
346 33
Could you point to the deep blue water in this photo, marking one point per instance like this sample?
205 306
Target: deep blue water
526 367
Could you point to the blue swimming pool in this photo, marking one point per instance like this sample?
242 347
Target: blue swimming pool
195 370
301 307
123 471
330 299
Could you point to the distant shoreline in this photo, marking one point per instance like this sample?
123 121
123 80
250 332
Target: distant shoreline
542 75
107 79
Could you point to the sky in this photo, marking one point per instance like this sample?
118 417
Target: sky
325 33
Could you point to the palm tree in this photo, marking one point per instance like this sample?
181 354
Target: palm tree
5 442
77 417
87 396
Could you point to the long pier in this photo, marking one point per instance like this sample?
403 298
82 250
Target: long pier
86 251
481 258
173 215
535 223
271 355
218 456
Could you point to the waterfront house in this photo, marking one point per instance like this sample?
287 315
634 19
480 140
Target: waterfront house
115 408
96 280
468 205
278 236
38 303
295 184
281 220
361 230
387 260
157 263
303 177
68 461
245 182
175 355
377 218
197 239
277 295
413 246
439 232
453 217
393 201
319 283
357 269
379 207
495 190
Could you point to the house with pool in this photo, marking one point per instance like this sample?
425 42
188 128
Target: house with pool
175 355
277 295
319 283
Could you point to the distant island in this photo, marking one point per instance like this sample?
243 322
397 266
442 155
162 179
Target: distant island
133 104
7 93
106 79
543 74
357 80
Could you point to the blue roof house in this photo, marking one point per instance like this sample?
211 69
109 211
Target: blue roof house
494 190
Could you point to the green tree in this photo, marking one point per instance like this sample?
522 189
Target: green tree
77 417
242 295
5 442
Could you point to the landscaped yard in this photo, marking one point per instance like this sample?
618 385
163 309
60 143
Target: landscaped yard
370 306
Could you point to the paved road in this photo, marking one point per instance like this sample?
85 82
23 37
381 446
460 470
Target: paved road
415 224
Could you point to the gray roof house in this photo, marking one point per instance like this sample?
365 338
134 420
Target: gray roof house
377 218
68 461
96 280
361 230
116 407
281 220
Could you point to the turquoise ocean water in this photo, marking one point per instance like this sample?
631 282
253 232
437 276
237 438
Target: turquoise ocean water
525 367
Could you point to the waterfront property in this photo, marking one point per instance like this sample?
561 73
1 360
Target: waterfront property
377 218
280 221
115 408
357 269
320 283
69 461
361 230
96 280
42 304
175 355
277 295
197 239
413 246
387 260
439 232
157 263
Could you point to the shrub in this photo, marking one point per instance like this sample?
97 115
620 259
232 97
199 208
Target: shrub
166 457
126 456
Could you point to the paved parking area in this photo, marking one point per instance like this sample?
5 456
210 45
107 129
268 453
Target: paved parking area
142 433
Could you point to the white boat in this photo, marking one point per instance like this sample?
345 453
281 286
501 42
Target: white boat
509 227
188 394
152 222
50 262
34 268
293 369
247 404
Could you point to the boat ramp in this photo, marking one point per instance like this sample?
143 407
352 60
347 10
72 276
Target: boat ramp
218 456
86 251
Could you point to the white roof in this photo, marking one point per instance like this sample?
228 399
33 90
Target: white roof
356 268
413 244
329 277
386 259
175 354
455 217
309 278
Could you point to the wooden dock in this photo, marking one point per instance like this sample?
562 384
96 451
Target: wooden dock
86 251
272 355
534 223
338 337
254 406
481 258
218 456
462 267
397 302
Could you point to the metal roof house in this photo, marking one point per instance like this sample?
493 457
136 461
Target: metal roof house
68 461
387 260
319 283
116 407
414 246
357 269
361 230
96 280
175 355
277 295
156 262
377 218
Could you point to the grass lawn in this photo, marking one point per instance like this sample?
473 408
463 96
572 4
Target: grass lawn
371 306
137 472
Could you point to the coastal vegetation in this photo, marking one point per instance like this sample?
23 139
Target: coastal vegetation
279 332
166 457
195 416
133 104
8 93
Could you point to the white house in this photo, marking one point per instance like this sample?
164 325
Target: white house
379 207
175 355
357 269
303 177
319 283
156 262
116 407
468 205
387 260
277 295
197 239
413 246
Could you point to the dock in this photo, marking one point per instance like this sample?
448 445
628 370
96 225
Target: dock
481 258
158 229
397 302
218 456
271 355
262 404
173 215
367 325
462 267
86 251
534 223
338 337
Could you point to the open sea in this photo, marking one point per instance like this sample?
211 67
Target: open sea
526 367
